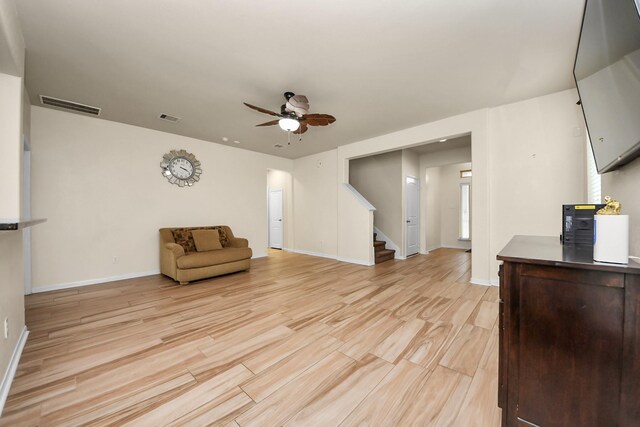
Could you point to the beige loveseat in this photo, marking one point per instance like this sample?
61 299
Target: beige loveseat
180 259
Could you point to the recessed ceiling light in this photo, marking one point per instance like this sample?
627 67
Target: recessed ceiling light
236 142
225 139
443 140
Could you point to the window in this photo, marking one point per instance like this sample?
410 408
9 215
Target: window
465 211
465 174
594 185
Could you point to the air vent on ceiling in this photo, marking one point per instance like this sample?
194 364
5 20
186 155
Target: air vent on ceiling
168 118
68 105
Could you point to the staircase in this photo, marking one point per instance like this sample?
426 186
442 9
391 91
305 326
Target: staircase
382 253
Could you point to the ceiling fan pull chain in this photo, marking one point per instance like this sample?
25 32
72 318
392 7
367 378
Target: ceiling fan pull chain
288 137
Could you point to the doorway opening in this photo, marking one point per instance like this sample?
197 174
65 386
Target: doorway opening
279 209
422 195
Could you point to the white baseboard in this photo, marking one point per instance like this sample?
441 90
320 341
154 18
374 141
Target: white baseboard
5 385
455 247
260 255
93 281
424 252
355 261
318 254
484 282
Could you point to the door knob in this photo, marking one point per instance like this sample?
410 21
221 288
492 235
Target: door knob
408 221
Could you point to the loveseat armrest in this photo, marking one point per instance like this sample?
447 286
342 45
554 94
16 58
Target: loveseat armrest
169 254
175 248
238 242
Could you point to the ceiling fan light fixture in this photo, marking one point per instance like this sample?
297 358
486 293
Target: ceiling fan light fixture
289 124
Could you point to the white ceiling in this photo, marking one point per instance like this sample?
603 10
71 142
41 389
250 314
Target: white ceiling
378 67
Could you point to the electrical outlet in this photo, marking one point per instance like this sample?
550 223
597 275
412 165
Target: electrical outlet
6 328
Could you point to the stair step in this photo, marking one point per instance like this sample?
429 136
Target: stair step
385 255
379 243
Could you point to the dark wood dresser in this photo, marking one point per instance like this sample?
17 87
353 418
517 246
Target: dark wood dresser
569 337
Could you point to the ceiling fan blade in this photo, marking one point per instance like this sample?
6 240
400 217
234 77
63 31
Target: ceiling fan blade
319 119
301 129
262 110
271 123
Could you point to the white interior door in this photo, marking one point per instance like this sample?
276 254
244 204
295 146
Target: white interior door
412 193
275 219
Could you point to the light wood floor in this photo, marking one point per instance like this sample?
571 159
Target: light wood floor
298 340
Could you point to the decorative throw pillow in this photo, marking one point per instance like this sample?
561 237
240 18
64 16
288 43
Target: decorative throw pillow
206 240
182 236
224 239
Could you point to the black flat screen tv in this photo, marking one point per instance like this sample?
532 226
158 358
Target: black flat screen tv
607 74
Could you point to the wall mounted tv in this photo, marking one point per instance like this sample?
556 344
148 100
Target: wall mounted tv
607 74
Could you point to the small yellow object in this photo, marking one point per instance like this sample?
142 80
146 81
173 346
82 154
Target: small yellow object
612 207
587 207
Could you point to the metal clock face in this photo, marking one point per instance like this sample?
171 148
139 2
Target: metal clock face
181 168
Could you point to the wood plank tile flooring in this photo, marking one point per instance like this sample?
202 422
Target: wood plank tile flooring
296 341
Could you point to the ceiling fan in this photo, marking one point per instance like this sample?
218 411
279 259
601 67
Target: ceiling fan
294 115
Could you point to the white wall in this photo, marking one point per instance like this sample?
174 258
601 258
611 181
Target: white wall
474 123
11 295
281 180
624 185
430 197
10 145
11 123
450 205
379 179
514 192
99 183
445 157
315 204
536 166
431 218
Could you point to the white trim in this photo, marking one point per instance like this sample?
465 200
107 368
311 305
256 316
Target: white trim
424 252
261 255
321 255
359 197
93 281
389 242
318 254
484 282
433 248
5 385
355 261
455 247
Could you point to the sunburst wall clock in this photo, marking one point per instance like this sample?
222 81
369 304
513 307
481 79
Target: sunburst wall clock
181 168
